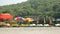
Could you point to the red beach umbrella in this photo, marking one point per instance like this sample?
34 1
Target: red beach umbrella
6 16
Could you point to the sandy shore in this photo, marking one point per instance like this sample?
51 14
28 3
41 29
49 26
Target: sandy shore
30 30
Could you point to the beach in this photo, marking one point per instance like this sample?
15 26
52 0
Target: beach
30 30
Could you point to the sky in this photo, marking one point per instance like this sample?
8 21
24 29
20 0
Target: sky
8 2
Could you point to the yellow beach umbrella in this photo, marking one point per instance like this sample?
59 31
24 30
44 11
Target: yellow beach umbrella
29 19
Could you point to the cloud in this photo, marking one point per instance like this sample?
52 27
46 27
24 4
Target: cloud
7 2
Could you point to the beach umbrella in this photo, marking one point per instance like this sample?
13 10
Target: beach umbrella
18 18
6 16
24 19
29 20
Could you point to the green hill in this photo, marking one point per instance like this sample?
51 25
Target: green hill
37 8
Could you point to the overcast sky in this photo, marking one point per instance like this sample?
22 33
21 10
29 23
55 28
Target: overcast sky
7 2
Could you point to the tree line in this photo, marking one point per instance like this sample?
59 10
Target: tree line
39 8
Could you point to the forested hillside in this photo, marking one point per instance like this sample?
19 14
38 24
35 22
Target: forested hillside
39 8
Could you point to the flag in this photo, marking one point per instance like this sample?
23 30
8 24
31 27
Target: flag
51 21
44 21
